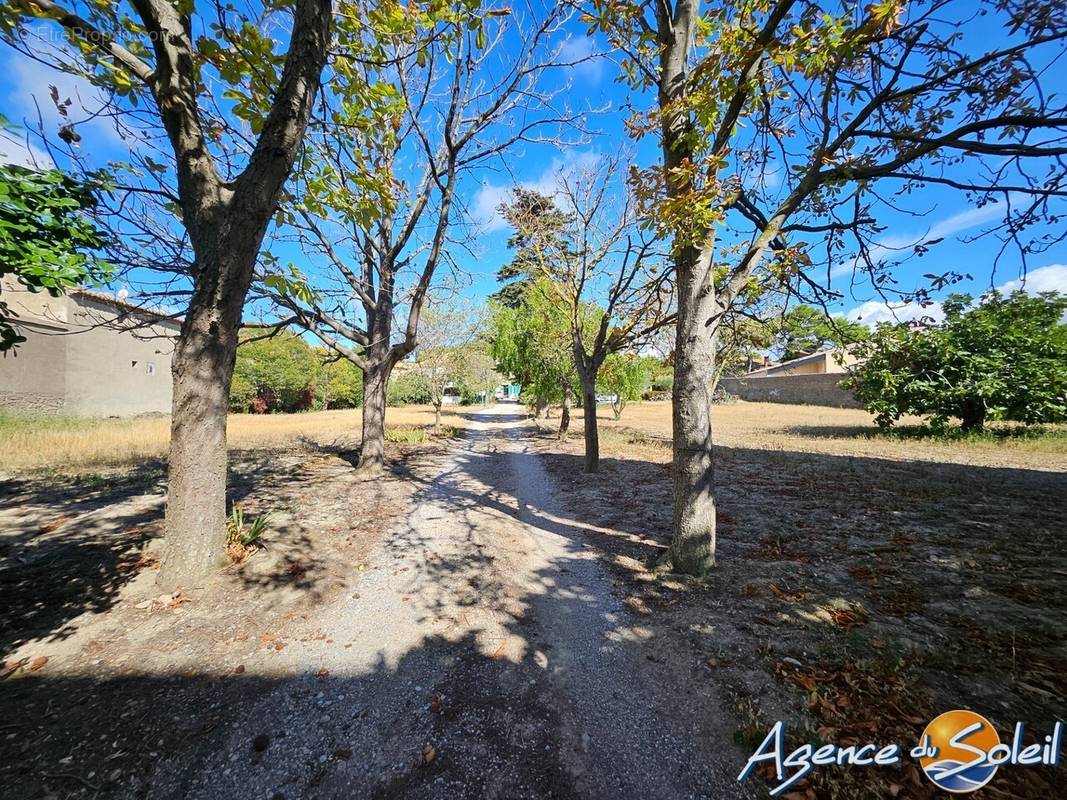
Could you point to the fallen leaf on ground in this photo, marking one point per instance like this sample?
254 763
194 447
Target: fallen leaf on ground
38 662
428 754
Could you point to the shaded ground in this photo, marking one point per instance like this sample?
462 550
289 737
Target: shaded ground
855 597
481 621
445 631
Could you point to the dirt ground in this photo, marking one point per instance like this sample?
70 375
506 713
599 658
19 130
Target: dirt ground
864 585
483 620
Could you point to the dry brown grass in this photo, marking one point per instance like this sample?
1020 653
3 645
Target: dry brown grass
832 431
66 443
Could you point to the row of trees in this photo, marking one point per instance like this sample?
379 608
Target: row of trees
842 104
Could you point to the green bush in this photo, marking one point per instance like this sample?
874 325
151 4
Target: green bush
408 388
1002 359
663 383
275 374
340 386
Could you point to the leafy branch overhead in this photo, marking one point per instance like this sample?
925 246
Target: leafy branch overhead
48 240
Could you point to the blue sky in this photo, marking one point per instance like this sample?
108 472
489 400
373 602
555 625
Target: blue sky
25 94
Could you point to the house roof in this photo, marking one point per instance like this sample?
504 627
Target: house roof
102 297
793 362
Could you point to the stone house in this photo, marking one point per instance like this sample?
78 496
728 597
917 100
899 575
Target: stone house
86 354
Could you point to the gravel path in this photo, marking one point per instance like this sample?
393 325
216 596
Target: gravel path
481 653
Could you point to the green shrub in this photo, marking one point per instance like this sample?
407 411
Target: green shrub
1002 359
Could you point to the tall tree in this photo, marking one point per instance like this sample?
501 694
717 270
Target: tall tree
448 329
532 342
588 243
537 226
470 87
804 329
147 52
839 103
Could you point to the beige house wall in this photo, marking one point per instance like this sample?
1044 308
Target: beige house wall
87 356
24 384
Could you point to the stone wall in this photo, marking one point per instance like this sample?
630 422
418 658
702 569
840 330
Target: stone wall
812 390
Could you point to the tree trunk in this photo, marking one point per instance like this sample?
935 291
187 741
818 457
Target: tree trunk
592 434
437 417
540 409
565 414
375 391
692 548
201 370
973 416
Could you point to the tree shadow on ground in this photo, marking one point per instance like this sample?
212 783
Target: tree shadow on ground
69 545
471 711
955 573
926 433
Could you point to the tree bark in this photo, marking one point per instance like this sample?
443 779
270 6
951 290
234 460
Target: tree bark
437 417
226 222
201 370
565 413
973 415
592 433
692 548
375 393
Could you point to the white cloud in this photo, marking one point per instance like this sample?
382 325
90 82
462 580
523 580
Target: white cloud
16 150
1052 278
874 311
29 99
484 208
589 64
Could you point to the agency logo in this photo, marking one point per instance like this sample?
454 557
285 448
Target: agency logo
959 752
960 743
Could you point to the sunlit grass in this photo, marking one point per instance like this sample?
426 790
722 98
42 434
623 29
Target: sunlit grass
30 441
645 430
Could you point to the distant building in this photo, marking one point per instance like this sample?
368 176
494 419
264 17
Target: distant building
821 362
86 354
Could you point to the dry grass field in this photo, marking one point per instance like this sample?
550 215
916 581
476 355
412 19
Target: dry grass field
72 444
839 432
866 581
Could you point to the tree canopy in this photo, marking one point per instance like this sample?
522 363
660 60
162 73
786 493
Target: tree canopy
804 329
1003 358
48 240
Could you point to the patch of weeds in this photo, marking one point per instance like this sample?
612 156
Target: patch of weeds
1055 435
243 538
406 435
752 726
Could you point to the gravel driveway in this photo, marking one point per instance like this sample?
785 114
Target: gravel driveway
482 653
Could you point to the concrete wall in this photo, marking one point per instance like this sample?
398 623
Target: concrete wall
25 383
814 390
86 356
113 370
